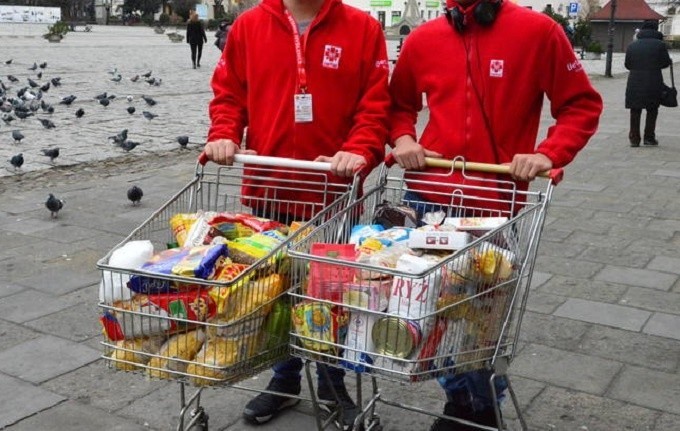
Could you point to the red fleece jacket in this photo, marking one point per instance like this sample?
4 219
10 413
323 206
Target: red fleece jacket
511 64
346 66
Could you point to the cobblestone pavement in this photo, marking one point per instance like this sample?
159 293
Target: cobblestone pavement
600 340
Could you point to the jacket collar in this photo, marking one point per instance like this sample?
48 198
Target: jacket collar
276 8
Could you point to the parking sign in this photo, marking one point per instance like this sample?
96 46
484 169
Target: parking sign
573 9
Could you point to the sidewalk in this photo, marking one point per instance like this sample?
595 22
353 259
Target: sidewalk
600 339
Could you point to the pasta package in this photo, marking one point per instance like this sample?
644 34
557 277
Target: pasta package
175 353
129 355
215 355
243 298
253 248
180 225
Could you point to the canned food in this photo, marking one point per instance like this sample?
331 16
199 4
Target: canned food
396 337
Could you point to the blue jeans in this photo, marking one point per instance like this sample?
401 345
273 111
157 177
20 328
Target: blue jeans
472 385
288 372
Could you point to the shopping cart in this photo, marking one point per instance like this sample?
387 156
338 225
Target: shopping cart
214 332
405 318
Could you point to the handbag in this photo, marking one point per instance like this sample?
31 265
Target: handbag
669 95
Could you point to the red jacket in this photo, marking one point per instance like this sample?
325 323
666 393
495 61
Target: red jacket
522 56
257 77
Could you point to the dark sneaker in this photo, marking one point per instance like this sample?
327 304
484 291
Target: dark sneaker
350 411
265 406
451 409
651 141
486 417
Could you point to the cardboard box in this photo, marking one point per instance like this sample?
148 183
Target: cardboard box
475 223
438 240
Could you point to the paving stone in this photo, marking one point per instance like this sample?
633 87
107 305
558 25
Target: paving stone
62 279
538 279
560 249
663 325
603 314
544 303
552 331
7 289
554 234
648 388
652 299
568 266
665 264
12 334
631 348
598 239
108 389
564 409
30 304
20 399
77 323
667 422
664 225
566 369
584 288
43 358
75 417
637 277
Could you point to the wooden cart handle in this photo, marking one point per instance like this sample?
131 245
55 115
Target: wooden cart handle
555 175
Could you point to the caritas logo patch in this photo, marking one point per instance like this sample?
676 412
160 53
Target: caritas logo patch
331 56
496 68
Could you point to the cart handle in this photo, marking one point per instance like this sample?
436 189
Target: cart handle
279 162
555 175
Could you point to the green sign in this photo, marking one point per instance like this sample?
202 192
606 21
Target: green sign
381 3
432 4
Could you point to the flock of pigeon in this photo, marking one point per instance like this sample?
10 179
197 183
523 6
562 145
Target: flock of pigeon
20 100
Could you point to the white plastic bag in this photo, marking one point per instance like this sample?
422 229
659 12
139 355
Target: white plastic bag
132 255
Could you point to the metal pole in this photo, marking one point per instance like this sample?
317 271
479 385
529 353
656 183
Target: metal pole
610 42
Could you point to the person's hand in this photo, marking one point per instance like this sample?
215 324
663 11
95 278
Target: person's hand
410 154
344 164
525 167
222 151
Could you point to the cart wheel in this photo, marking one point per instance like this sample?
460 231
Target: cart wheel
374 424
202 423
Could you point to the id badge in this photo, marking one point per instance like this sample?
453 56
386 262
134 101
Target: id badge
303 108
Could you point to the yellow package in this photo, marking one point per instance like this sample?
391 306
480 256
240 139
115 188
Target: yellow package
250 249
136 350
215 354
492 266
180 225
181 346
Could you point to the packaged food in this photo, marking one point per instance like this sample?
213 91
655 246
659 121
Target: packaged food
201 231
491 265
327 280
319 324
132 255
389 215
211 361
276 327
244 297
411 296
198 262
180 225
438 240
359 342
240 225
475 223
362 231
370 294
175 354
129 355
250 249
147 315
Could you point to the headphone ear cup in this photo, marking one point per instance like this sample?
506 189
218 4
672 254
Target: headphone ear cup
485 12
456 18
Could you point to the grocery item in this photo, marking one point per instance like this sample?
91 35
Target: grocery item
326 280
359 341
201 231
389 215
147 315
319 324
250 249
475 223
246 296
132 255
211 361
129 355
180 225
396 337
175 354
198 262
372 294
276 328
362 231
414 297
491 265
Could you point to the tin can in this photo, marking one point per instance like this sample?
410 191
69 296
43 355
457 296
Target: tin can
396 337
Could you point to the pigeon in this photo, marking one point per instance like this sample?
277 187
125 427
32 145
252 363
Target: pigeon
12 78
101 96
50 109
43 65
114 71
134 78
52 153
149 101
80 112
147 74
45 87
39 75
32 83
17 161
135 194
183 141
22 115
111 96
17 136
34 67
7 118
116 78
104 102
120 137
68 100
148 115
8 62
56 81
131 109
47 123
54 205
129 98
128 145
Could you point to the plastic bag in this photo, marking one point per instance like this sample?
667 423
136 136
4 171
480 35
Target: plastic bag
132 255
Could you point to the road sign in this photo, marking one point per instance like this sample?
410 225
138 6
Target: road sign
573 9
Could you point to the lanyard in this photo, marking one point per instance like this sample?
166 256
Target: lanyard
299 53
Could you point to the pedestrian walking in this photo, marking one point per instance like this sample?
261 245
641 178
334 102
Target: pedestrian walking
645 58
309 80
221 34
485 99
195 38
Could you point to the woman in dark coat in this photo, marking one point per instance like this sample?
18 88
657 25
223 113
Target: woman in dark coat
645 58
195 38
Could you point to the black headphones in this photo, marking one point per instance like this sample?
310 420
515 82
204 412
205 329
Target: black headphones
484 14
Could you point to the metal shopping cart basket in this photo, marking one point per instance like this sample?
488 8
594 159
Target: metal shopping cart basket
232 325
411 305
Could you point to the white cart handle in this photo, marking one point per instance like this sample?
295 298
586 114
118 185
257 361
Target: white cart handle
279 162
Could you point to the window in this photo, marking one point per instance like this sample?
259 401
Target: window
396 16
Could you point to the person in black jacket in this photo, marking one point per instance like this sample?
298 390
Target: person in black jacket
645 58
195 38
221 35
